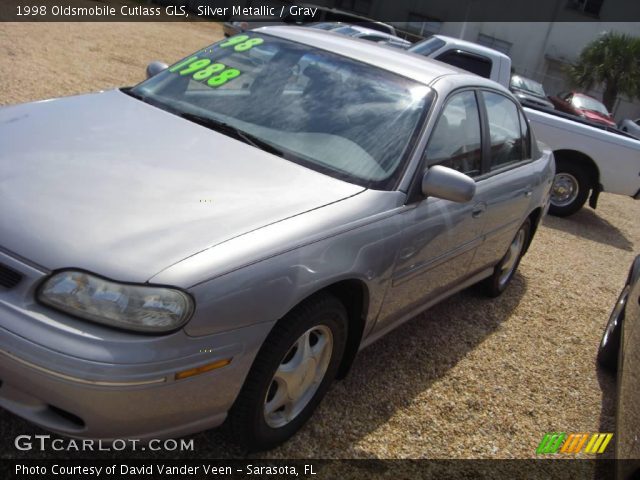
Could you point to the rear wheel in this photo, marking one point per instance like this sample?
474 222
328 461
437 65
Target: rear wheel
290 374
570 189
504 271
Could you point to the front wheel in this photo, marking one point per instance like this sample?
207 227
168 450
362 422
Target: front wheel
570 190
291 374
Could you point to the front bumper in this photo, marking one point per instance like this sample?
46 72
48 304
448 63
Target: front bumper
84 380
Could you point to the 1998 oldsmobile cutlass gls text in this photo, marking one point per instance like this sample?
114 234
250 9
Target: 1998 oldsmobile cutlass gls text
353 186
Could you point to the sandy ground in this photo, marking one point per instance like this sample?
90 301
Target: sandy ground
472 377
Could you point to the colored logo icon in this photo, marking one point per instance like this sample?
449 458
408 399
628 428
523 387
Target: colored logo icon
572 443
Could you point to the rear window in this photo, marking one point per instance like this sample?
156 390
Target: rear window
467 61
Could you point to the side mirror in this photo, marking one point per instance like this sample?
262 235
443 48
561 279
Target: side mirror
448 184
155 68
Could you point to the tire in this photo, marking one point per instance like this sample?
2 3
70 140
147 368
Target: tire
506 268
570 189
255 422
610 343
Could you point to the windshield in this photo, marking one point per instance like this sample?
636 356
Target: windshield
325 25
327 112
528 85
428 46
588 103
346 31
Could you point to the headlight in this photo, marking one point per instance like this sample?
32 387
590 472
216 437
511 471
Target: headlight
132 307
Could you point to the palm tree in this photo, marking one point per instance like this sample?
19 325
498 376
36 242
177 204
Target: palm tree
612 60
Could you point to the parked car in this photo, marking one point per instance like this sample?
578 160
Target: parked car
529 92
590 158
583 106
363 33
323 14
632 127
619 352
219 241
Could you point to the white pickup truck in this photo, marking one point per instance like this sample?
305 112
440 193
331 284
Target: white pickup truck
589 158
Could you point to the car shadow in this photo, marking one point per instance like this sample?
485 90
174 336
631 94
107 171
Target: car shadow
386 376
587 224
391 373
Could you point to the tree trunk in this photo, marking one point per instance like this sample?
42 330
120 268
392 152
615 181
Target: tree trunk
609 96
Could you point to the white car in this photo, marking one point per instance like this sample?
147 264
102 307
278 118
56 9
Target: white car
356 31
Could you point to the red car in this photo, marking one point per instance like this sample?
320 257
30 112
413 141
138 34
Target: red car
583 106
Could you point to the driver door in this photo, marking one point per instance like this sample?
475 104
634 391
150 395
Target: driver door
439 237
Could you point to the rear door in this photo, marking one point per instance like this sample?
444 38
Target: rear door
507 183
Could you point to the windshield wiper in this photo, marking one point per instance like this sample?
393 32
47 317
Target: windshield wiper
232 131
129 91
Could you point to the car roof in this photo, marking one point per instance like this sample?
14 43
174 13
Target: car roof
410 65
579 94
361 31
530 80
366 30
474 47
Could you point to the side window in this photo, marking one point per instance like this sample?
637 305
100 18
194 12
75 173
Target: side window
373 38
505 130
466 61
455 141
526 137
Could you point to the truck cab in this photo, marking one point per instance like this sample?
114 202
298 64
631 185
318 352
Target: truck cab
469 56
590 158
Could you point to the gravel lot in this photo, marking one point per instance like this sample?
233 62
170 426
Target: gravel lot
472 377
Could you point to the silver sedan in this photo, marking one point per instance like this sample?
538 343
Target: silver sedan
218 242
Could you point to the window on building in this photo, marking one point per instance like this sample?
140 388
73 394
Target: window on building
590 7
495 43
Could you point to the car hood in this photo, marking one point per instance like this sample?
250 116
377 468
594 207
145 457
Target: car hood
597 117
109 184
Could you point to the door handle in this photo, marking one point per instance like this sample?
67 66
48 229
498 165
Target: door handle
528 193
478 209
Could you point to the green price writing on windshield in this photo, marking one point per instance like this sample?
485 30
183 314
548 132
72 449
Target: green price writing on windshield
202 69
242 43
